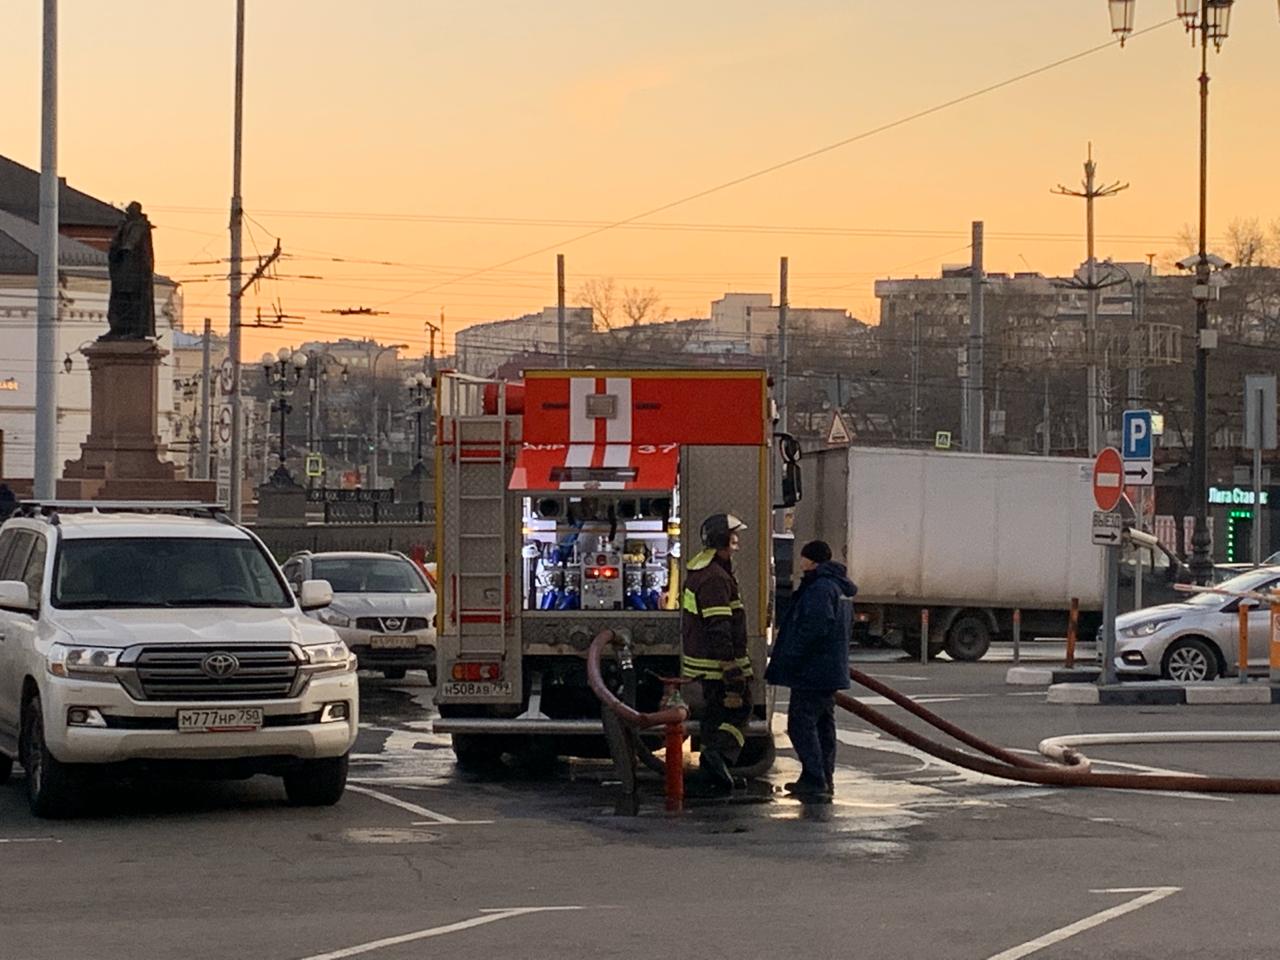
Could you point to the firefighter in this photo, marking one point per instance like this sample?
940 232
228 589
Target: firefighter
713 628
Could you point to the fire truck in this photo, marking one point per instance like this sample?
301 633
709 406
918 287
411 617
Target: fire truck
565 504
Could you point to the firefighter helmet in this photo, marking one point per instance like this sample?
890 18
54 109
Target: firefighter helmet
718 528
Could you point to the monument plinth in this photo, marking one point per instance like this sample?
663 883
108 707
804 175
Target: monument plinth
123 457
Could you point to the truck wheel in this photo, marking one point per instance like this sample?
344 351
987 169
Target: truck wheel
317 783
477 751
54 788
394 673
969 637
6 768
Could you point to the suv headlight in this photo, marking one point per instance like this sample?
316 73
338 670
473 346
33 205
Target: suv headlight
329 656
1147 628
86 663
333 618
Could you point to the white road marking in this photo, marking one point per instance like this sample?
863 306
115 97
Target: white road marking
488 916
897 676
429 816
29 840
1149 896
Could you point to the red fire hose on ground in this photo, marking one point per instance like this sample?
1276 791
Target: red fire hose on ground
1011 766
671 718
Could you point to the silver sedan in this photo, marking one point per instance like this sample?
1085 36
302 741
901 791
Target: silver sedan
1197 639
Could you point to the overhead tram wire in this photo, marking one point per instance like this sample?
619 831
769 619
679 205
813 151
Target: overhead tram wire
801 158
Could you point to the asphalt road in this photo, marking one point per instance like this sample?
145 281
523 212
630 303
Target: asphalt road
915 858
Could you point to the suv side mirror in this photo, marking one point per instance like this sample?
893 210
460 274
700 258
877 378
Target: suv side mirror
315 594
14 595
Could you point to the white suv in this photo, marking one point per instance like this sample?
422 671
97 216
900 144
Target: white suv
134 640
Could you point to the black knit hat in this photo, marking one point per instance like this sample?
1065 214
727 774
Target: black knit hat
816 550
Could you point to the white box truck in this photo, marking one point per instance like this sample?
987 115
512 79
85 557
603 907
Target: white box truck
971 538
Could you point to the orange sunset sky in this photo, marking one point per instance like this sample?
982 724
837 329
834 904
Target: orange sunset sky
421 141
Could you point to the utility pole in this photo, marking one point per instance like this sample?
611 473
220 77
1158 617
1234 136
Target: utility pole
1092 191
46 446
915 376
236 288
975 409
562 333
1047 432
206 398
783 306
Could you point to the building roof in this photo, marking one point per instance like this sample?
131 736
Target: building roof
20 196
20 247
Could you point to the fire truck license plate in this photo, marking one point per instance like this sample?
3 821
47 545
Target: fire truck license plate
235 720
500 689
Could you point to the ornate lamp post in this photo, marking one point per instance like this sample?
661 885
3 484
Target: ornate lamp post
1211 20
283 370
419 387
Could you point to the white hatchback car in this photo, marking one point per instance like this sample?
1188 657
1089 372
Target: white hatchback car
1198 639
132 641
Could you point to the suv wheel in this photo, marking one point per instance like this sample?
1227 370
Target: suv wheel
317 783
54 788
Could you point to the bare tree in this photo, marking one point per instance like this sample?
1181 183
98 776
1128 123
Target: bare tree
1247 243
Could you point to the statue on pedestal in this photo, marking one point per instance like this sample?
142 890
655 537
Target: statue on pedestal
131 311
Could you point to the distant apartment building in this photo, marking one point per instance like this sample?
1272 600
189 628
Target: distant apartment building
484 347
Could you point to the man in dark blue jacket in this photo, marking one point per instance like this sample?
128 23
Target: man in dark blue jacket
811 656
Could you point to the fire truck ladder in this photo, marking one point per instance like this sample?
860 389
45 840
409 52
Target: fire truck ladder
479 486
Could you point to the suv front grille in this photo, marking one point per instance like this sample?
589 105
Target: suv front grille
391 624
177 673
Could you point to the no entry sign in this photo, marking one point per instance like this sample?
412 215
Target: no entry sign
1108 479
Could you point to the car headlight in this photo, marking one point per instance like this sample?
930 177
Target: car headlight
1148 627
333 618
329 656
88 663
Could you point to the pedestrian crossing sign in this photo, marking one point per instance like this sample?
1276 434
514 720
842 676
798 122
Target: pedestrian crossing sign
315 465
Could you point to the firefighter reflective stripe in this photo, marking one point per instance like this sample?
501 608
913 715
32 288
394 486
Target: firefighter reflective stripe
689 602
717 612
702 669
734 732
736 605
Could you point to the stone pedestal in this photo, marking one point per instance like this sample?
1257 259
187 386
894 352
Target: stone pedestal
282 501
416 486
122 458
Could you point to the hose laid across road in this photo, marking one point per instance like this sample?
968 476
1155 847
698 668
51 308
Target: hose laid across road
1010 766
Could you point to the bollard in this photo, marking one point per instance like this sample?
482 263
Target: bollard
1242 665
1073 623
1017 636
675 767
924 635
1275 642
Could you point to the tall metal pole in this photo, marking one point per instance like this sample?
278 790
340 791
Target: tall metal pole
1048 436
206 400
973 429
1091 301
783 310
562 333
1257 477
233 332
46 447
1201 565
915 376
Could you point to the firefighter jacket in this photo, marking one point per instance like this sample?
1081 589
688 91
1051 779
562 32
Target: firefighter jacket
713 622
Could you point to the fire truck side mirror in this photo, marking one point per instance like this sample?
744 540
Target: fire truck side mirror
792 484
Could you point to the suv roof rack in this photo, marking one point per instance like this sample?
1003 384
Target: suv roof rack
186 508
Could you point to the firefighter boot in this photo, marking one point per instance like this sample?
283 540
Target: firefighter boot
713 778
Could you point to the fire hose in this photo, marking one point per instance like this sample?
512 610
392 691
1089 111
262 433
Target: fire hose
1011 766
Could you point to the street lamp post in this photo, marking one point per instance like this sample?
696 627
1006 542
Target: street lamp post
283 371
373 377
1211 19
317 377
419 386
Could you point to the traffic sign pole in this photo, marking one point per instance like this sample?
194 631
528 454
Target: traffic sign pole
1108 488
1109 605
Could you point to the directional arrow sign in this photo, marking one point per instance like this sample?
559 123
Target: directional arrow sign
1107 528
1139 473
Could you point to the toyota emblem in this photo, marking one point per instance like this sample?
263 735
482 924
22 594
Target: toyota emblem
219 665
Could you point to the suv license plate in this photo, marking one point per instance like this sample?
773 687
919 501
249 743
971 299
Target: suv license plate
233 720
393 642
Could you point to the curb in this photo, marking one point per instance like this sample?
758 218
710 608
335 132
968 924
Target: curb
1163 694
1046 676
